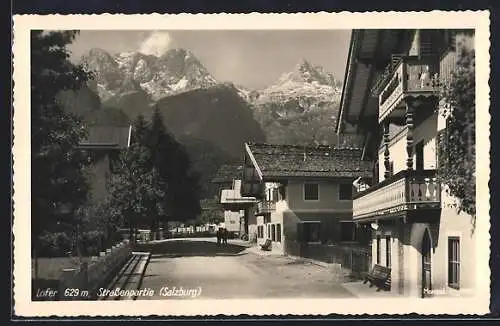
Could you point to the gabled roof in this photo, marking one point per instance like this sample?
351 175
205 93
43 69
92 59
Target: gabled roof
295 161
104 136
227 173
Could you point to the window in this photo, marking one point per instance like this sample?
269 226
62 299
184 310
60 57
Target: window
282 192
347 231
278 232
378 249
260 231
454 262
311 191
273 232
309 231
345 192
388 251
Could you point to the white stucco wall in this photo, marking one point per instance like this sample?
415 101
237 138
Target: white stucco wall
426 132
232 220
276 218
455 224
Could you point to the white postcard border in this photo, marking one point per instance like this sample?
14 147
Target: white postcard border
23 306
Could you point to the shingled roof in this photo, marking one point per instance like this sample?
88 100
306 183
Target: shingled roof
227 173
107 136
282 161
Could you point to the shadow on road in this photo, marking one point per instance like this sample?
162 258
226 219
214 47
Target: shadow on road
183 248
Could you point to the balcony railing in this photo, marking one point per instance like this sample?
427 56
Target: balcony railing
404 191
410 77
264 207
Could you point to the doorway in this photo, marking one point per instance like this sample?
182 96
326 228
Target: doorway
426 265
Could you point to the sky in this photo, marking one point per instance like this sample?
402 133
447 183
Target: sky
251 58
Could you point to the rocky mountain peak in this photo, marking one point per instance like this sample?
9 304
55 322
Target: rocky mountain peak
175 71
305 72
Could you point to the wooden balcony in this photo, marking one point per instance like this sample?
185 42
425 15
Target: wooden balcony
411 77
403 192
265 207
232 200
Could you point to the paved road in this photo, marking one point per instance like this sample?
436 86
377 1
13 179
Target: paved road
232 272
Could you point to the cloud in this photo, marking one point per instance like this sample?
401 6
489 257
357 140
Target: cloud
156 43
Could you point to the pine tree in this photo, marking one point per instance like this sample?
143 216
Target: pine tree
181 182
141 130
58 176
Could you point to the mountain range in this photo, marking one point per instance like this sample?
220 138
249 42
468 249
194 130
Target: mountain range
213 119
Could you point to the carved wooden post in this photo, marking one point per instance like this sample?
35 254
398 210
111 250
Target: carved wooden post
387 163
409 135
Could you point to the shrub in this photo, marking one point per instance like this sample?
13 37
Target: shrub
54 244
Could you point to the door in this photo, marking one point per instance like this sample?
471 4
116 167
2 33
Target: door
419 153
426 266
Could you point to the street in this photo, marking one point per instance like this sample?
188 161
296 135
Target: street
187 266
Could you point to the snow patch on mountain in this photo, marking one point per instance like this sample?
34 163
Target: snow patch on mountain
300 107
174 71
305 80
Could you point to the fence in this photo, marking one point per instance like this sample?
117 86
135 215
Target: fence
353 257
83 283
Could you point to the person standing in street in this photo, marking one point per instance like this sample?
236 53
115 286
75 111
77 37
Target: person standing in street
224 232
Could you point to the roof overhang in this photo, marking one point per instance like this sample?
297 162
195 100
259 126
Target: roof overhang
285 179
232 200
369 50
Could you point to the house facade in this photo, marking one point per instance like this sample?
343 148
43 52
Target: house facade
390 104
238 210
304 193
225 178
104 144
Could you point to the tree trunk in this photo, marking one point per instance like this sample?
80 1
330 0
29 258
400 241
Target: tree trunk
154 229
131 232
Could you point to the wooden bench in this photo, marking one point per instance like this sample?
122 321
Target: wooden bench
266 245
380 276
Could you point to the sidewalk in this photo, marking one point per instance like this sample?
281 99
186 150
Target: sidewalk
255 249
364 291
335 268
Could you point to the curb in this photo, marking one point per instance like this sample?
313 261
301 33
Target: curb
197 254
316 262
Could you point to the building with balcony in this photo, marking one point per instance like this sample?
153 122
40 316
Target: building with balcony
391 100
238 211
304 193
